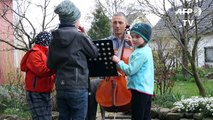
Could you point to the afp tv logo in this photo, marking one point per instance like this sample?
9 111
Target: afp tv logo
182 11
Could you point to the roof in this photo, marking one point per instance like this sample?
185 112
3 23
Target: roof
137 17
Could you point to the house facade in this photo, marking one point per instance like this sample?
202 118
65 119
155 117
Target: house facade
7 53
205 51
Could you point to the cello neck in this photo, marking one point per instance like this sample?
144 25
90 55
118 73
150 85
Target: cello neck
120 49
122 45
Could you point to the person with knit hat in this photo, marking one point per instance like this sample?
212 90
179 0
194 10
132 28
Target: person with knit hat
119 24
140 71
69 15
39 80
43 38
68 52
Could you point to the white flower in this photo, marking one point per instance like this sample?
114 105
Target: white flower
195 104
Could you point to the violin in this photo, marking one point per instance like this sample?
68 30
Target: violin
112 93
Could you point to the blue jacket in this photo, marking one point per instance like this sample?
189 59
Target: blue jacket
140 70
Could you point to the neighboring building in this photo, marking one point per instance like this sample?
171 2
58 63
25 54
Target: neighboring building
205 50
10 58
6 52
205 29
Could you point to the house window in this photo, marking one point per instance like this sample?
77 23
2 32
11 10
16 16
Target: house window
208 54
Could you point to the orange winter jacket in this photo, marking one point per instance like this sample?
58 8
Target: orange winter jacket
38 77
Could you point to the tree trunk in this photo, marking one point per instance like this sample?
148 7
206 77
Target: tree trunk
198 82
184 64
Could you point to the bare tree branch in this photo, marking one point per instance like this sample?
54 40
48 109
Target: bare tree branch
112 6
24 29
185 32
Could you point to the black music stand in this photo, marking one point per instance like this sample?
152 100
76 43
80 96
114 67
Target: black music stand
103 64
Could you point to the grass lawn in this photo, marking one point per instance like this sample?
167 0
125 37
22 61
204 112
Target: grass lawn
188 89
182 89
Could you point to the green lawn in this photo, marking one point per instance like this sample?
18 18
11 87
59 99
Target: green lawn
182 90
188 89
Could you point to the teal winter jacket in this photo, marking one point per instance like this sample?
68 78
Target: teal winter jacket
140 70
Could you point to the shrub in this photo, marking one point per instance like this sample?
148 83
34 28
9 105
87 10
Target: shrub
180 77
16 96
13 98
4 96
20 112
167 100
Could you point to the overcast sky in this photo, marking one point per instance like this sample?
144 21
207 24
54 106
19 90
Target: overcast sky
86 7
89 4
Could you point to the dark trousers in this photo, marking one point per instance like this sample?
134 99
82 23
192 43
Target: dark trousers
91 114
140 106
40 105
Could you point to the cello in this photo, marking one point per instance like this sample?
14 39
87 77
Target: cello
112 93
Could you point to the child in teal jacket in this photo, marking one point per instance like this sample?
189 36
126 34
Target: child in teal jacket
140 71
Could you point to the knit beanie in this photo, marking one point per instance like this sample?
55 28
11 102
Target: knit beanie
143 30
43 38
68 12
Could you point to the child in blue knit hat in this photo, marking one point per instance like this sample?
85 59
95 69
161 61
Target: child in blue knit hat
69 15
68 52
140 71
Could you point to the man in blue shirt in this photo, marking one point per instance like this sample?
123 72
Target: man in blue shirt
119 24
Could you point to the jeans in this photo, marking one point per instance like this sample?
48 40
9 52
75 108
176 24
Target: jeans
72 104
